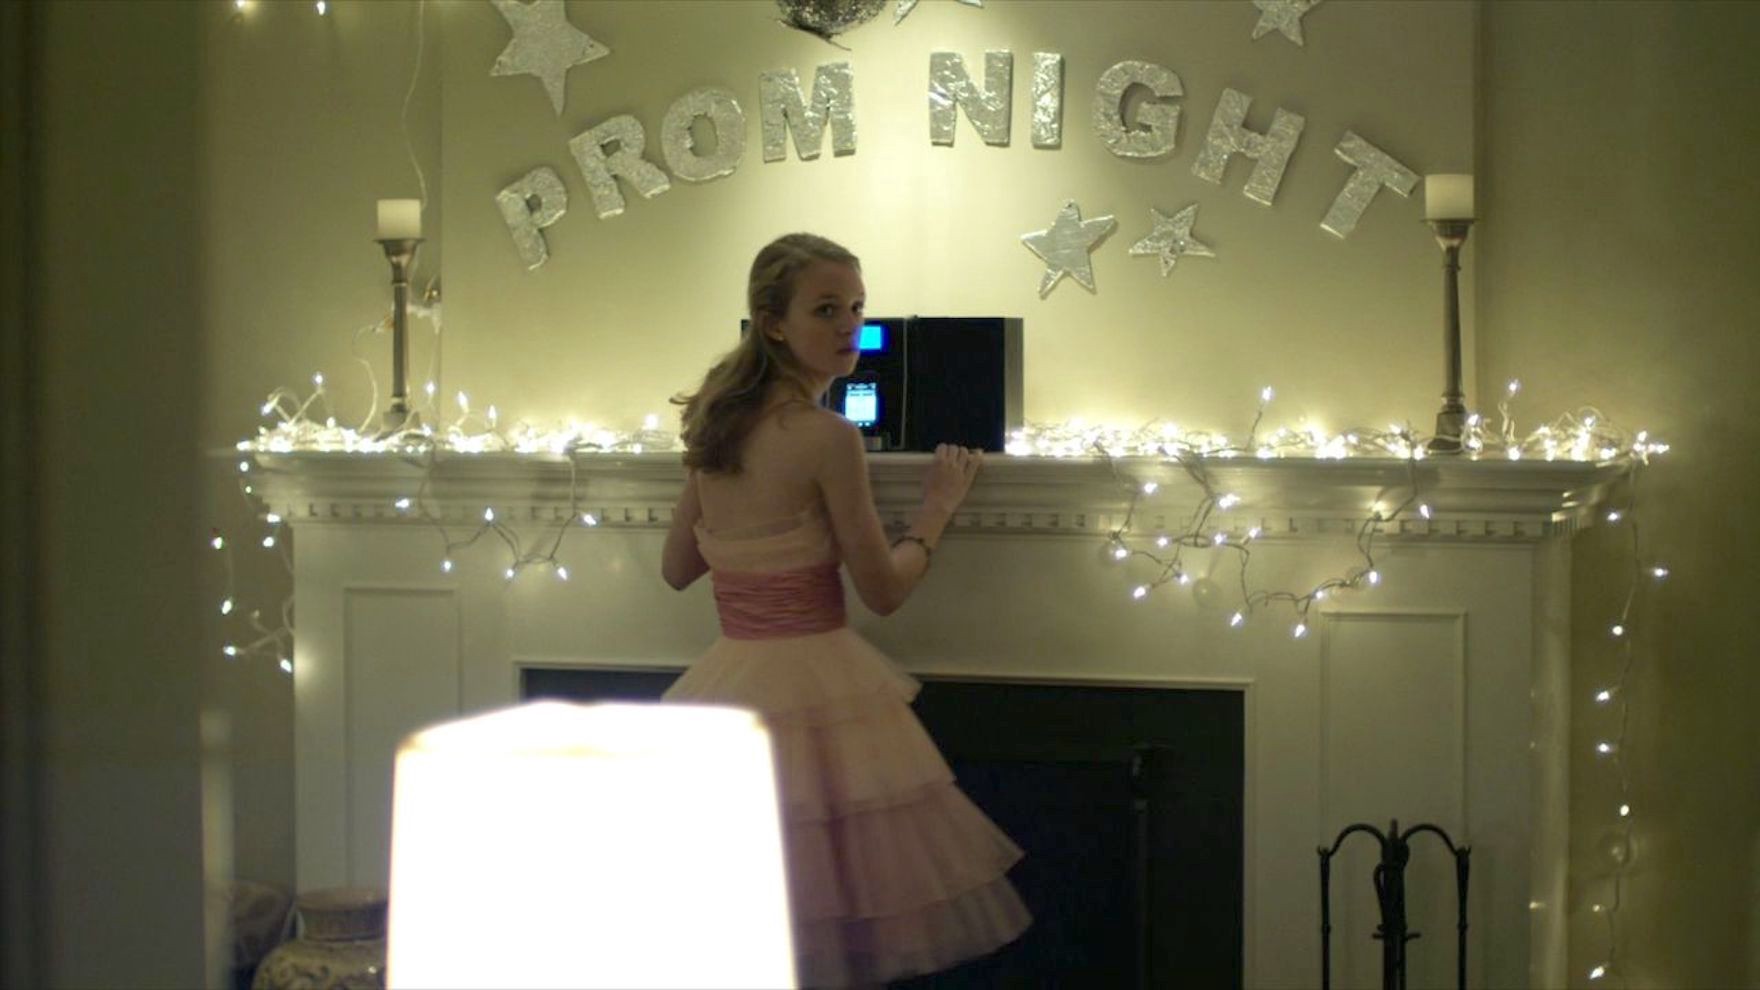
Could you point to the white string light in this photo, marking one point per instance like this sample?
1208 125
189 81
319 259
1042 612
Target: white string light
1570 436
1616 701
1200 533
1581 436
276 641
468 433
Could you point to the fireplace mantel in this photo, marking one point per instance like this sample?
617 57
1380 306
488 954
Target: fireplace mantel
1490 499
1441 694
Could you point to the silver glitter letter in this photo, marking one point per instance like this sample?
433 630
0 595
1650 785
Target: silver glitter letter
601 169
535 201
1270 152
724 115
783 111
1157 129
951 90
1047 100
1375 168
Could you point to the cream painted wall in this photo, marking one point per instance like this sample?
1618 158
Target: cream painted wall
630 309
1618 250
304 114
116 278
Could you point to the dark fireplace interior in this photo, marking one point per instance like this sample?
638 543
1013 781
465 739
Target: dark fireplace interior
1127 800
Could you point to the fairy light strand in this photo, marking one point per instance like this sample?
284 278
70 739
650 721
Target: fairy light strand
1617 696
265 641
1584 435
520 557
1200 533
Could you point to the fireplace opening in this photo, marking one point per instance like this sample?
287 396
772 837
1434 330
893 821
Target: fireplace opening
1128 800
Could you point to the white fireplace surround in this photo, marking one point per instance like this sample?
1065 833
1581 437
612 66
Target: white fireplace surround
1440 695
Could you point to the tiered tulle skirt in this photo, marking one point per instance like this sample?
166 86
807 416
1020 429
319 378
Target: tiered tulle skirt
893 871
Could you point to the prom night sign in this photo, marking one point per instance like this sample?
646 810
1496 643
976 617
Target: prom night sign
615 152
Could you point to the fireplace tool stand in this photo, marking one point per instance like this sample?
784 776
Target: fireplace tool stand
1390 893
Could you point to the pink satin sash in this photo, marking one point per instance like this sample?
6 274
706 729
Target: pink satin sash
776 604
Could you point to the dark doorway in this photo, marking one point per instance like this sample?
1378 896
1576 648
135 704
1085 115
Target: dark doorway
1128 802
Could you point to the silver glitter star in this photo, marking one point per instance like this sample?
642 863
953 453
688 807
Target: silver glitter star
1282 16
906 6
544 44
1172 237
1066 246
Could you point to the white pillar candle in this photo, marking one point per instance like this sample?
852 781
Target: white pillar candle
400 219
1448 197
607 845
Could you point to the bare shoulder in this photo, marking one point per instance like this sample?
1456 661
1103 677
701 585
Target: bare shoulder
822 428
818 442
798 443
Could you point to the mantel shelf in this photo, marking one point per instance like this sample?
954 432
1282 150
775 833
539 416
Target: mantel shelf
1285 497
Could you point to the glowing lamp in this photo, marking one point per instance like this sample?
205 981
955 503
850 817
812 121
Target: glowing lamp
606 845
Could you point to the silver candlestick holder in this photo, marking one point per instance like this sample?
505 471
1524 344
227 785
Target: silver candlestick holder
1451 420
399 418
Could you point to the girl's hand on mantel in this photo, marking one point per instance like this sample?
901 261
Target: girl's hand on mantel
950 477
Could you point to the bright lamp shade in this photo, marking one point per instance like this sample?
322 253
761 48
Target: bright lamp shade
608 845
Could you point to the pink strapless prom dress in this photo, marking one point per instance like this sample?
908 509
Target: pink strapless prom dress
892 871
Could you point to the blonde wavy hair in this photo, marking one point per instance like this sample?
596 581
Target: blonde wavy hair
719 415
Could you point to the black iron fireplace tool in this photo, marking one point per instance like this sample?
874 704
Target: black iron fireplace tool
1390 892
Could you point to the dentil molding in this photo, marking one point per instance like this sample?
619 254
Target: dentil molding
1489 499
